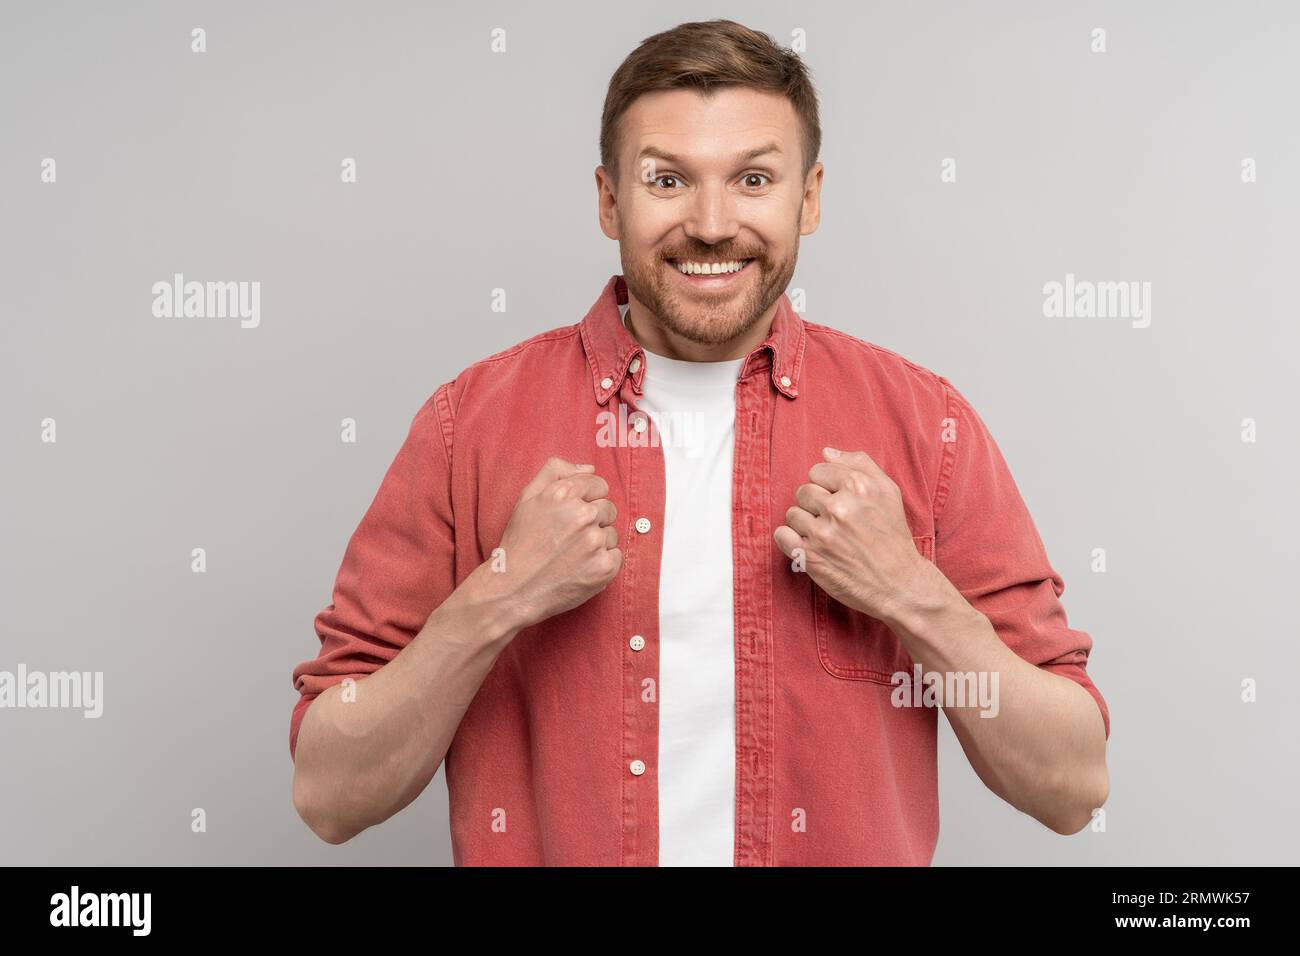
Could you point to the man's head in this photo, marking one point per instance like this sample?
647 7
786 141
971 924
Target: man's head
708 144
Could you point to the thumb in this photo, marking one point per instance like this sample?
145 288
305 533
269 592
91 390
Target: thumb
554 469
859 460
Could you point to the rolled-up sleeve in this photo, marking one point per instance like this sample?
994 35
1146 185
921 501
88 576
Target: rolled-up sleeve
986 544
397 568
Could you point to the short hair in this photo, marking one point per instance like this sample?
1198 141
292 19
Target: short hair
705 56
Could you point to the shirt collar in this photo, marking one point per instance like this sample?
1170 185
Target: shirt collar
613 354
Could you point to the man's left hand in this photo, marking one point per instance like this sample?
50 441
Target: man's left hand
855 540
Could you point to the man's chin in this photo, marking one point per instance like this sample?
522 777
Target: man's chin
719 325
701 322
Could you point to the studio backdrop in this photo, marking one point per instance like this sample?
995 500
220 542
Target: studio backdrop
373 181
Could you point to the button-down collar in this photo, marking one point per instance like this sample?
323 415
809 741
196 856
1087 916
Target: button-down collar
614 354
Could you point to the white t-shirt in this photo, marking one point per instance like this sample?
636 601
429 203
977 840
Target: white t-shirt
693 406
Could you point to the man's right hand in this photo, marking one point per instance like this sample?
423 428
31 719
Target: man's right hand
559 547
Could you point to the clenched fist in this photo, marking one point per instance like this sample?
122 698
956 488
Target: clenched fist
559 547
849 523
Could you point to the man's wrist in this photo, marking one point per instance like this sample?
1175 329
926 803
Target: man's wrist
929 609
496 617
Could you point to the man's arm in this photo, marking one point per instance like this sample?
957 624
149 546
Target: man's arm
415 646
988 604
362 757
991 603
1045 750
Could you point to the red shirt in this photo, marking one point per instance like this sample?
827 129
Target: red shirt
828 772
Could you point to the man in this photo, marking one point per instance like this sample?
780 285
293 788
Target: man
669 586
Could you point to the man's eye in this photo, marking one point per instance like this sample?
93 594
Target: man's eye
658 180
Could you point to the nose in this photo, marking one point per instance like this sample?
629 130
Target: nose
712 217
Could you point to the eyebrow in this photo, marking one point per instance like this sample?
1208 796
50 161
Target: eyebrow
655 153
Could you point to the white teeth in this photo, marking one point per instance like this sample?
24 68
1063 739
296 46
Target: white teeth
686 267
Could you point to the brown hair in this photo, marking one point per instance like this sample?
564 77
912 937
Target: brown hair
705 56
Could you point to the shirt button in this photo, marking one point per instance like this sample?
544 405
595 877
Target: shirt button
643 525
637 767
637 642
785 381
638 423
606 382
635 366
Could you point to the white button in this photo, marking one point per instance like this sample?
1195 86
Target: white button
785 381
643 525
638 423
637 767
606 382
637 642
635 366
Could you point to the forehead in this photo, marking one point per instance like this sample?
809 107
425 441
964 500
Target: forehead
712 129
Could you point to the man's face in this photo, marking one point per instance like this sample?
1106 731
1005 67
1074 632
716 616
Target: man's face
709 180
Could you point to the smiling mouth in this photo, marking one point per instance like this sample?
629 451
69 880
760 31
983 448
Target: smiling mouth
709 269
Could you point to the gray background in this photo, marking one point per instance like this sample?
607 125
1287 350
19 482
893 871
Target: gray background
475 172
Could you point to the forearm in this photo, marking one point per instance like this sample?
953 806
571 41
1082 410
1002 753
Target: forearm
357 762
1045 750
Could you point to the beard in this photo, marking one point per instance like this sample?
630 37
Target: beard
708 318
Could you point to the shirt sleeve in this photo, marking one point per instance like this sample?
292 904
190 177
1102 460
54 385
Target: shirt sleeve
397 568
986 544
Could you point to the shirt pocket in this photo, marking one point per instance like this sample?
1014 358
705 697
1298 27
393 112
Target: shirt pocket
856 646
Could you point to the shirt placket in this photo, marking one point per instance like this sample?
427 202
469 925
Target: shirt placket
643 464
752 570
